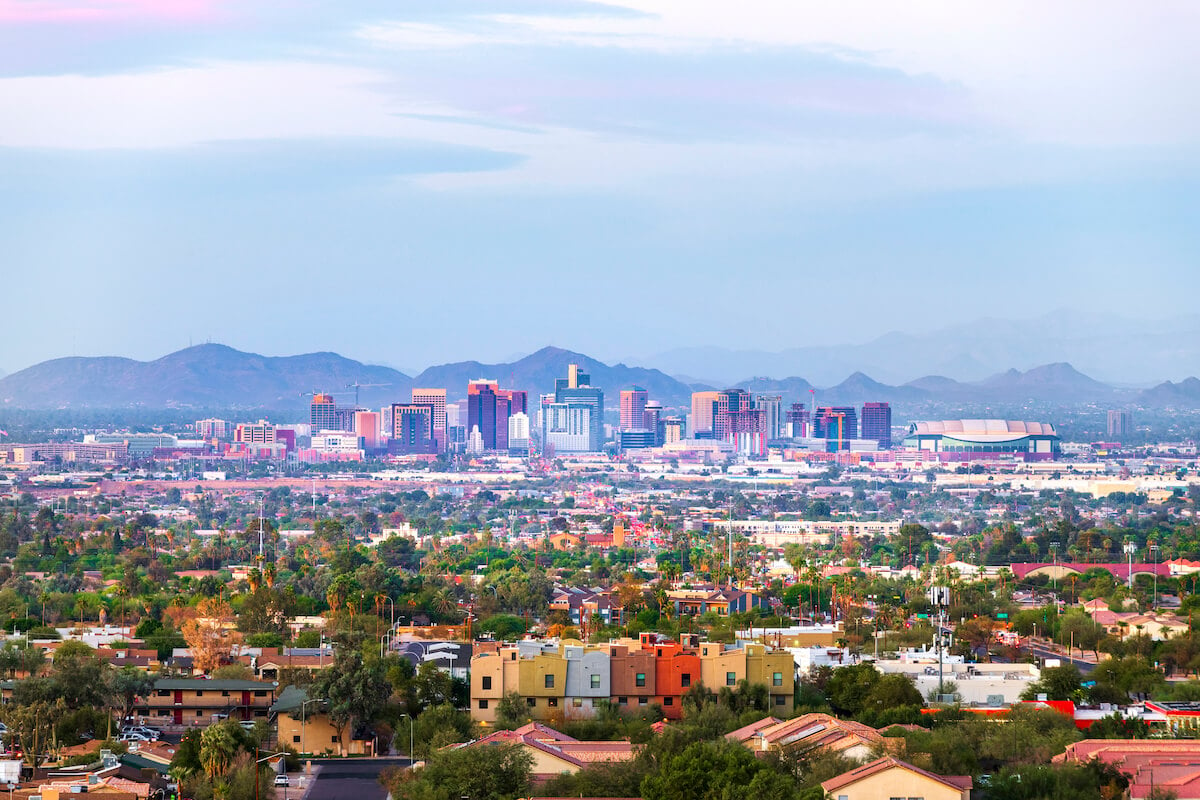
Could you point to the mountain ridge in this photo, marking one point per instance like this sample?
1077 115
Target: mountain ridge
216 375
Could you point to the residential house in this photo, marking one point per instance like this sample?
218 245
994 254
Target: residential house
889 778
814 731
1169 766
555 753
304 725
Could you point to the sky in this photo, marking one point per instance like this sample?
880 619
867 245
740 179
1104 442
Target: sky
420 181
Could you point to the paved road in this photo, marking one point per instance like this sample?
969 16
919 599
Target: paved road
1043 652
355 778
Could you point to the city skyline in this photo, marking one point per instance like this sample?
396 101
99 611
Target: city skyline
202 167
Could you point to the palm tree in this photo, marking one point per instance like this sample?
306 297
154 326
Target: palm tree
444 602
217 749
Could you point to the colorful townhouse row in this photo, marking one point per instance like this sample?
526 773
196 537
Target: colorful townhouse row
568 679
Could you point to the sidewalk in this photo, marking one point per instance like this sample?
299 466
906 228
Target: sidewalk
309 779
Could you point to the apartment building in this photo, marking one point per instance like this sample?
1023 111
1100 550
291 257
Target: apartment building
572 679
200 701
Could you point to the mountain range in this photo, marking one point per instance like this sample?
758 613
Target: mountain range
217 376
1106 346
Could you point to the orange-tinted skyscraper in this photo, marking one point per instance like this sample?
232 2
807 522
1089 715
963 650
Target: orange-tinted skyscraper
702 413
633 408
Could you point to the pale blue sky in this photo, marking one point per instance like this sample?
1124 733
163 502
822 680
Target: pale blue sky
417 182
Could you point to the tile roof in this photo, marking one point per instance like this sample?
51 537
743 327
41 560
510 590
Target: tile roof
959 782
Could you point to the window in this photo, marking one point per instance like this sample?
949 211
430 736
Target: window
550 680
164 693
487 681
643 701
225 694
640 679
260 692
668 701
333 740
595 681
531 701
685 679
200 693
577 702
296 738
731 679
483 704
780 699
622 701
199 713
552 702
777 679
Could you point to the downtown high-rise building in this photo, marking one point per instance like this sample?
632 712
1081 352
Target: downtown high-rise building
482 413
518 434
412 429
1120 424
326 415
730 401
836 423
366 425
703 411
876 424
652 417
436 400
633 408
772 407
574 420
797 421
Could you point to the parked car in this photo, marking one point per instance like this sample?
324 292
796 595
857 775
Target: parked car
132 736
150 733
282 780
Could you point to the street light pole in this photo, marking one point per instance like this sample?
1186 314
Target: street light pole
259 761
1054 571
304 719
410 740
1129 548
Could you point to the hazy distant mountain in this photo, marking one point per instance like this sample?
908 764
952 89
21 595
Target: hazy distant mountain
536 373
1107 346
208 375
1185 394
860 388
1056 382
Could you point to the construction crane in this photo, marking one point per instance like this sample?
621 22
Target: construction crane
356 386
315 392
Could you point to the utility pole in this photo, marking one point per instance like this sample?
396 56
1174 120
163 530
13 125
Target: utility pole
939 596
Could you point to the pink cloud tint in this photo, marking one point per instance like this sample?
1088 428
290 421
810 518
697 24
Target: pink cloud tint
77 11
